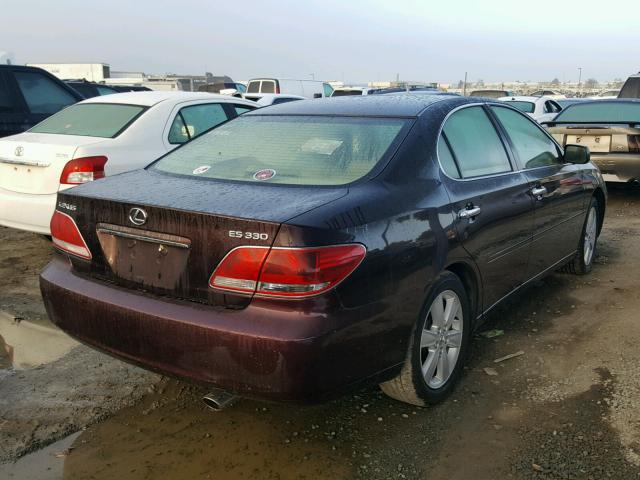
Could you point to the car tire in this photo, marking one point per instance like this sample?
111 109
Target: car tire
437 347
582 263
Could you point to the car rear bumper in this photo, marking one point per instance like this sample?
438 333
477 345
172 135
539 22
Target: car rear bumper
26 211
618 167
287 352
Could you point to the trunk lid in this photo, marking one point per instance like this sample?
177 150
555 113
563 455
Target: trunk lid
190 225
600 139
33 162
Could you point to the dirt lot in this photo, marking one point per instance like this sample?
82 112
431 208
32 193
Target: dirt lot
566 409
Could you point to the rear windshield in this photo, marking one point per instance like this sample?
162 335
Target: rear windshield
294 150
601 111
103 120
345 93
526 107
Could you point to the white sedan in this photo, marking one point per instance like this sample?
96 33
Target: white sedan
541 109
100 136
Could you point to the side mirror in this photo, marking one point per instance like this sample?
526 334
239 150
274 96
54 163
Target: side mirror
578 154
317 95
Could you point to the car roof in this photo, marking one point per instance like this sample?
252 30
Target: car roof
151 98
362 106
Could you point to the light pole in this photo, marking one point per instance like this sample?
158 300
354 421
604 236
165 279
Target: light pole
464 85
580 80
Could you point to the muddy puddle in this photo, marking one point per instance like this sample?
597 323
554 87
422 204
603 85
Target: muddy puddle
19 338
170 434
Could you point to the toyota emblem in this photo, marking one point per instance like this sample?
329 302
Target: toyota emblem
137 216
19 151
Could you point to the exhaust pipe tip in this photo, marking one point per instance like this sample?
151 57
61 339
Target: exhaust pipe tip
219 399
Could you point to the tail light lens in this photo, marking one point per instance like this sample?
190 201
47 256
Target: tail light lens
634 143
83 170
239 270
67 237
286 272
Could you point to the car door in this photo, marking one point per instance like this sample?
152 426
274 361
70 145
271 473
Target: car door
495 208
556 189
193 120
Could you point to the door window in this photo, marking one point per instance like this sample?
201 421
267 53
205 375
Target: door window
254 87
328 89
42 94
475 145
194 120
533 147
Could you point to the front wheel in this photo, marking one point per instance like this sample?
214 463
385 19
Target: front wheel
582 263
438 346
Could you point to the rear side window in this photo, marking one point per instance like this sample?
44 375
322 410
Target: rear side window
316 150
42 94
446 158
194 120
533 147
91 119
328 89
240 109
475 144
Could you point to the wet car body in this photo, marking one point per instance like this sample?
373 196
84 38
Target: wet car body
405 212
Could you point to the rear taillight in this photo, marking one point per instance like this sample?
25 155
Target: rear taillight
239 270
634 143
66 236
286 272
83 170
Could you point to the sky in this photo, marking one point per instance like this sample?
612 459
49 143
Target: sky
350 40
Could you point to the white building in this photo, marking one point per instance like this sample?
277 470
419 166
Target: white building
93 72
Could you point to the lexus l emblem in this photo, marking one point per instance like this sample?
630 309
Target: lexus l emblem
137 216
19 151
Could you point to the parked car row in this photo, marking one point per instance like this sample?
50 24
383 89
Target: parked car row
296 251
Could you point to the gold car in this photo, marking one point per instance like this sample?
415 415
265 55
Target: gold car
611 130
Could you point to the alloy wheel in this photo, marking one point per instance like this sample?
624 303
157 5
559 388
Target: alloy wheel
590 235
441 339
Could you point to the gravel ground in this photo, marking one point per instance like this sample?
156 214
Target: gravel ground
566 409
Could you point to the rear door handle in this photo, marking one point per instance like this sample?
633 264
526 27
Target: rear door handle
538 192
469 212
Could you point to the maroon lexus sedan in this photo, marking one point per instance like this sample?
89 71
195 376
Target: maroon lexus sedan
312 247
